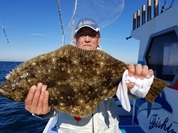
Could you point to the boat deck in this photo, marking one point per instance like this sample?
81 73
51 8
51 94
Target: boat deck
126 120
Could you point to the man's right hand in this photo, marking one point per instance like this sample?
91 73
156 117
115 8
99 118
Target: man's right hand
37 100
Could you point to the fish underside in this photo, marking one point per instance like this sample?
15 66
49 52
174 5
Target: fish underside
78 80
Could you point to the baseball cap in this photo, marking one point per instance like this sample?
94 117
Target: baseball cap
87 22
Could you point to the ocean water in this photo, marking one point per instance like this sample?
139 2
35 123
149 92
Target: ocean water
13 116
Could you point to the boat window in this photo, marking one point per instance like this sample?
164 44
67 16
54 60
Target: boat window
162 55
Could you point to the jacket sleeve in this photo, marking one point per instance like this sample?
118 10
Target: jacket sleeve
50 114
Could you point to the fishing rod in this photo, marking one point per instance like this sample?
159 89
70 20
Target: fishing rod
4 31
164 6
171 4
62 22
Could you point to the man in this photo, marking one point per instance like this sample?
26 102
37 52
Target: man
105 118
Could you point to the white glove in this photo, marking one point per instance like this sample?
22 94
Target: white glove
140 89
141 86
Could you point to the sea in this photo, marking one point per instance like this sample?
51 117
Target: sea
13 116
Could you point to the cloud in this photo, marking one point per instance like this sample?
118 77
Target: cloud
7 26
37 34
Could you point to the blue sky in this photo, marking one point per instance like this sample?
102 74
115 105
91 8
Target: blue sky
32 28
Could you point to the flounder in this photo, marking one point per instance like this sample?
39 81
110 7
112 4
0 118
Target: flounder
78 80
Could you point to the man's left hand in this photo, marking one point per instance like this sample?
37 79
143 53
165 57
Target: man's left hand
138 71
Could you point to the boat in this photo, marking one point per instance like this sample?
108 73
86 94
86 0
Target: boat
158 36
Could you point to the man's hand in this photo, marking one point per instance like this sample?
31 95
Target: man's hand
138 71
37 100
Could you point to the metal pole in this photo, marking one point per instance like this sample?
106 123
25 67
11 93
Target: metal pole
156 8
143 14
148 10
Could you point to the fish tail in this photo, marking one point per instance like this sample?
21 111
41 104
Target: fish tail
156 89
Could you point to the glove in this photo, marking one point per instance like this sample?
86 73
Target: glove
140 89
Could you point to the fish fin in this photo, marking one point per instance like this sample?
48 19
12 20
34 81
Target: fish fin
156 89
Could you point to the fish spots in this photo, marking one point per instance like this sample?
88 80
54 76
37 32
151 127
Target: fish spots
33 64
24 75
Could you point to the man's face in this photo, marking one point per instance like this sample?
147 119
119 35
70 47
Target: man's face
86 38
